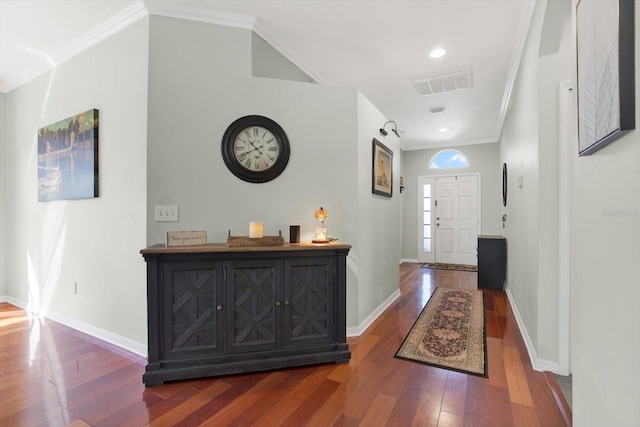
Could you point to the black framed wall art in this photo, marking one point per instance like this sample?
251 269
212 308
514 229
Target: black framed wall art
382 176
605 63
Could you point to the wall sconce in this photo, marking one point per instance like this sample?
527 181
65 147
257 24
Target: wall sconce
321 233
383 132
401 184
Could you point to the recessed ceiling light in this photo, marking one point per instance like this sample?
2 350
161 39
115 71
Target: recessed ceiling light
437 53
443 130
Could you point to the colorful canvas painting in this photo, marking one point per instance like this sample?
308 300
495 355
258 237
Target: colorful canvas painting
68 158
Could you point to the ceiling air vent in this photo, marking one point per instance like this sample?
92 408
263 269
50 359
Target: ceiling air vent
444 83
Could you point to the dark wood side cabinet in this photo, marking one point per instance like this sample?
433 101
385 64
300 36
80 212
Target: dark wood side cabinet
492 262
215 310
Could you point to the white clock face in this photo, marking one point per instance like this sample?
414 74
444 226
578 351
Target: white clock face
256 149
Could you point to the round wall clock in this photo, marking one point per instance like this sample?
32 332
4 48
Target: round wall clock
255 149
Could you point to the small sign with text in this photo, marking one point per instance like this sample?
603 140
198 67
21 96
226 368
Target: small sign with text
186 238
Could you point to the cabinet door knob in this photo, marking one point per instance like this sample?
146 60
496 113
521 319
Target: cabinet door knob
278 303
286 302
219 307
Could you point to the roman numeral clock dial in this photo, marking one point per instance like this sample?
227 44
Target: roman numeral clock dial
255 149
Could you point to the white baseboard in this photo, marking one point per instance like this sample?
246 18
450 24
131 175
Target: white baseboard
359 330
411 260
540 365
12 301
102 334
141 349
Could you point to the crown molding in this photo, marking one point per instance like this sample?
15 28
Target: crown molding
126 17
229 19
199 14
406 146
136 11
526 16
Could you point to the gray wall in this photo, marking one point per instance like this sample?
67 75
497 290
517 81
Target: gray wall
188 87
378 221
268 62
483 159
329 129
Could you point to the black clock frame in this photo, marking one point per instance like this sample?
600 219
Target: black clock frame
236 167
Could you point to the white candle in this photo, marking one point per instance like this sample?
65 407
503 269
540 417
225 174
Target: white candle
255 230
321 234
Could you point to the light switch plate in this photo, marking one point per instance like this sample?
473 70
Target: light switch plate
166 213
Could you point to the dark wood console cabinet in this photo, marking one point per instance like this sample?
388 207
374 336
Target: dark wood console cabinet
492 262
215 310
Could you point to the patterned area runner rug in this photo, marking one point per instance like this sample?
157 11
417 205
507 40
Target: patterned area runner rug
449 333
458 267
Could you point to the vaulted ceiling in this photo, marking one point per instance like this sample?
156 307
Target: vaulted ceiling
380 47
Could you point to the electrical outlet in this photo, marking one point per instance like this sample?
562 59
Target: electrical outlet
166 213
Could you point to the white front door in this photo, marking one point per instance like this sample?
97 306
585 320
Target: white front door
456 223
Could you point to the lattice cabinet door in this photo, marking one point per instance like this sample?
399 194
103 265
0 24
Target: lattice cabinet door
192 320
254 290
309 301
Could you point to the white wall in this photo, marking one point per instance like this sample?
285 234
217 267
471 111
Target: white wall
483 159
519 149
605 291
94 242
553 68
605 232
3 167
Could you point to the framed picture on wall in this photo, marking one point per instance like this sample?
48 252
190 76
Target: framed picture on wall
382 179
606 81
68 158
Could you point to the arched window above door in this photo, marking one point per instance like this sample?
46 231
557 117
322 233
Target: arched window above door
448 159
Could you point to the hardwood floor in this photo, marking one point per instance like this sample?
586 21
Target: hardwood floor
55 376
